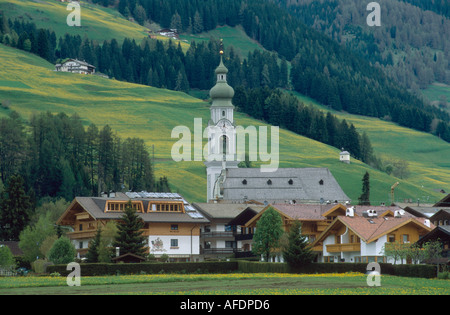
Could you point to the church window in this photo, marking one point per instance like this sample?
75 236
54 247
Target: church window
291 182
244 182
321 182
269 182
223 113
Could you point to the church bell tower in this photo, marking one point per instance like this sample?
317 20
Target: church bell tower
221 133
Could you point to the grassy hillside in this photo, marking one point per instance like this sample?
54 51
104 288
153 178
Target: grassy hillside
31 85
435 92
427 155
232 36
98 23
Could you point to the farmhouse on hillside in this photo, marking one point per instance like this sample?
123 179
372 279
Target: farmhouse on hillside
75 66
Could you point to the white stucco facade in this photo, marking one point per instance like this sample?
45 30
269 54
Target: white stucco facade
174 245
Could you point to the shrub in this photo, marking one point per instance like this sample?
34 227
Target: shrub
62 251
99 269
7 261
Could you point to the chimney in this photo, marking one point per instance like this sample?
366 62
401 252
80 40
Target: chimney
350 212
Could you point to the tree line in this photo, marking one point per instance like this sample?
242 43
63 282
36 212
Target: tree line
321 68
350 81
285 110
413 53
56 156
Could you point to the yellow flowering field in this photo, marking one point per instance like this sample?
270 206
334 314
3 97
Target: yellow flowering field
227 284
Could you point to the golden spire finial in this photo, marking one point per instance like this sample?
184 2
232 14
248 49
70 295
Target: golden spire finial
221 47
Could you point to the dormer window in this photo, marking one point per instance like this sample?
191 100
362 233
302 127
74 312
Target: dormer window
291 182
269 182
321 182
244 182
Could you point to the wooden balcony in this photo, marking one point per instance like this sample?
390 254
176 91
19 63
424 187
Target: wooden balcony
322 225
350 247
82 234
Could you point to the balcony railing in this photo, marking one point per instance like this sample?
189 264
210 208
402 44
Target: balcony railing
350 247
210 251
221 234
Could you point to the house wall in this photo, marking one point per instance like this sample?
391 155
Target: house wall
161 244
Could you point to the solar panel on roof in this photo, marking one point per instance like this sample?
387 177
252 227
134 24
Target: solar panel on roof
195 215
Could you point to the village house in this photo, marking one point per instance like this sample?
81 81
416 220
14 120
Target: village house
354 238
218 237
75 66
339 233
172 225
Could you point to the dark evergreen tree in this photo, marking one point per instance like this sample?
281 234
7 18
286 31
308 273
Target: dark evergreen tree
92 254
364 199
129 237
297 252
15 208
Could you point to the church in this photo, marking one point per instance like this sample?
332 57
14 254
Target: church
227 183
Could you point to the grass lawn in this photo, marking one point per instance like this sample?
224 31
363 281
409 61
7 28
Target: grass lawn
226 284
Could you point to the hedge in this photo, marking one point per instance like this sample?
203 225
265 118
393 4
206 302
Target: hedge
100 269
419 271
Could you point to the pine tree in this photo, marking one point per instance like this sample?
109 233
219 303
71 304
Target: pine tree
43 49
296 252
364 199
129 238
15 208
198 23
92 254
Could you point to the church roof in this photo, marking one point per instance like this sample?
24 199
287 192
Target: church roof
299 185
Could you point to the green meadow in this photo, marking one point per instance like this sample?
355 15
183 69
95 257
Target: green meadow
98 23
30 85
232 36
225 284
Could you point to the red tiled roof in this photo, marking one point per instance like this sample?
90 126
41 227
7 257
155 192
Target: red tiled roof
370 231
304 211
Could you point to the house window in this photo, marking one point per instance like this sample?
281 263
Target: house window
405 238
230 244
174 243
174 227
81 227
391 238
80 245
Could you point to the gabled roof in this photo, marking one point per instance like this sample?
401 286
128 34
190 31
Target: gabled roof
370 229
95 207
227 211
441 214
440 232
424 211
444 202
302 185
302 212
